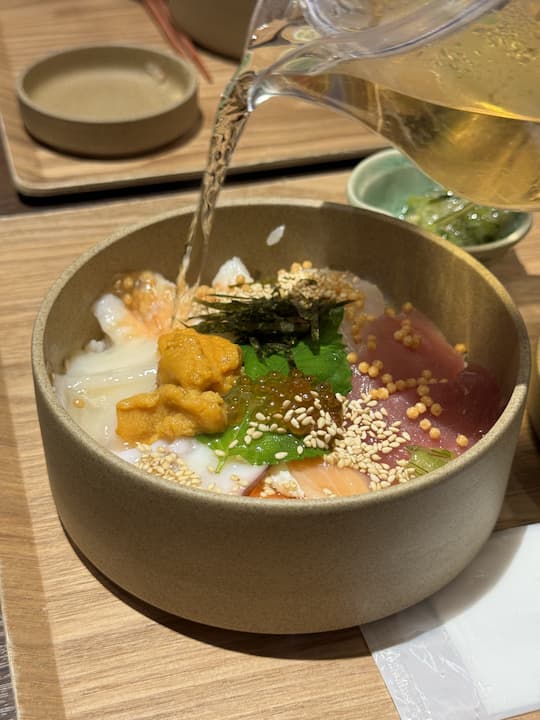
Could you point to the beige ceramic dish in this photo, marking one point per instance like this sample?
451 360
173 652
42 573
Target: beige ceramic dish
216 25
108 100
285 566
534 395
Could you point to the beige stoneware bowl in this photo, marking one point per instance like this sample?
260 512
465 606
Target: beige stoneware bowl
284 566
216 25
108 100
534 393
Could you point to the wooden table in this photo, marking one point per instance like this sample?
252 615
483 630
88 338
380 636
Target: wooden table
283 133
79 648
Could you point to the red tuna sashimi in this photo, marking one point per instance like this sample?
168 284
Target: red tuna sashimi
470 404
432 352
466 403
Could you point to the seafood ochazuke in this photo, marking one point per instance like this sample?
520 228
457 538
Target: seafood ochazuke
306 385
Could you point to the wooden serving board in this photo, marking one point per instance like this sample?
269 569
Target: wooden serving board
283 132
82 650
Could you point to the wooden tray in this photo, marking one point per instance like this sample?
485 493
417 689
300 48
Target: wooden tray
283 132
81 649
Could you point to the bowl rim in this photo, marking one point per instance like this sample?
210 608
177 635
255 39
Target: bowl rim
515 404
524 218
192 83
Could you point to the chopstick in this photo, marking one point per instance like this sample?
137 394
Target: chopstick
178 39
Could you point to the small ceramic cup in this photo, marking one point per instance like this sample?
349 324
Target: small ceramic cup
385 180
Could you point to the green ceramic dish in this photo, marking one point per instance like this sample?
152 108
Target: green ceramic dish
385 180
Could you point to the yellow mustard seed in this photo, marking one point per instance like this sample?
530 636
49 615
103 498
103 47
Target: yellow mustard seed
420 407
387 378
352 357
401 385
436 409
373 371
422 390
425 424
462 441
363 367
391 387
434 433
427 400
412 413
407 307
390 312
460 348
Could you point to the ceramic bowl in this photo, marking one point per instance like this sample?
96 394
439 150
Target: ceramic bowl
216 25
534 394
108 100
385 180
284 566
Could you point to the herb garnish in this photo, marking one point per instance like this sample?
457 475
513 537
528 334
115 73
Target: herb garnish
262 412
286 339
270 324
262 452
281 332
424 460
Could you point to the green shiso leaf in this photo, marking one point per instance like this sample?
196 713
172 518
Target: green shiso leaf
260 452
256 366
424 460
326 360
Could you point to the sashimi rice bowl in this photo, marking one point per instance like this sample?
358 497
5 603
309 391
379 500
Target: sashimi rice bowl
321 435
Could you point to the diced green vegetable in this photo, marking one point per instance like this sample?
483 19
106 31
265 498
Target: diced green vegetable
456 219
424 460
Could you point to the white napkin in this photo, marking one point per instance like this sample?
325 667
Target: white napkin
472 650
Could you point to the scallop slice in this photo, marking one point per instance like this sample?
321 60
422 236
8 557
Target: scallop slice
95 381
235 478
228 273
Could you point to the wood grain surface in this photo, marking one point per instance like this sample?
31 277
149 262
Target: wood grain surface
300 132
81 649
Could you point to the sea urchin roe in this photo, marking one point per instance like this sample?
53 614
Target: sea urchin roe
170 412
194 371
193 360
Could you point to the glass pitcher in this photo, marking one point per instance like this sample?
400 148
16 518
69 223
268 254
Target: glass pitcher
455 84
